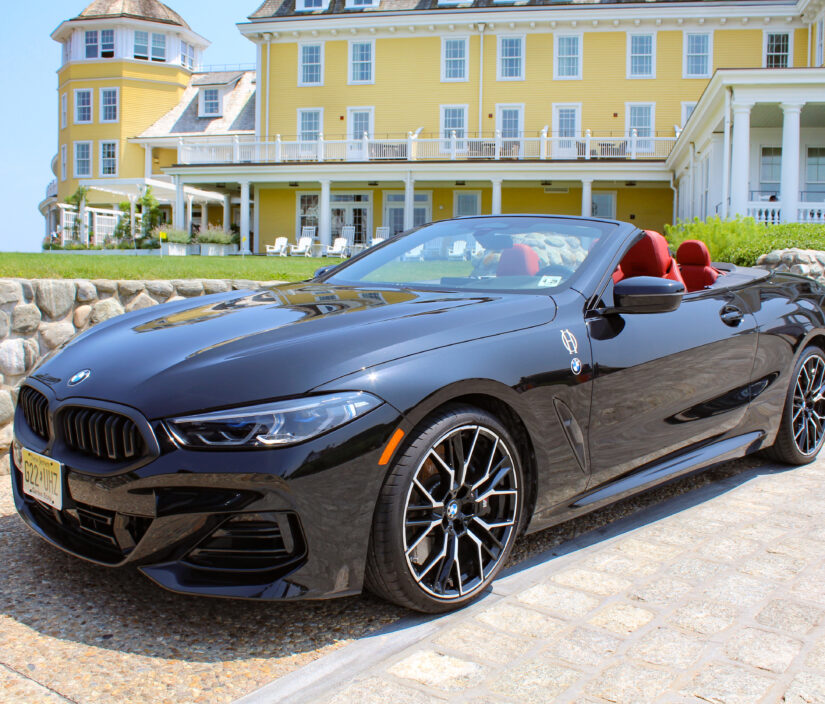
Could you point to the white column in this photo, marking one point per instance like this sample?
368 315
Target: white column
740 159
587 197
409 202
188 225
245 217
789 188
83 229
177 212
204 215
496 204
324 222
132 219
147 163
227 213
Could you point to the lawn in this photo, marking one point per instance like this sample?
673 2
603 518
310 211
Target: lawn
51 265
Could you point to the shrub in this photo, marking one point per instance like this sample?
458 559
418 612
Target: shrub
743 240
177 236
148 243
214 236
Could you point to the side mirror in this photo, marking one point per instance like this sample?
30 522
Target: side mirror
323 271
646 294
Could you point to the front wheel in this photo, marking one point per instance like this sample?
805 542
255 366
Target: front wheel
448 513
802 429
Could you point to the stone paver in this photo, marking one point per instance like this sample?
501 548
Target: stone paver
717 595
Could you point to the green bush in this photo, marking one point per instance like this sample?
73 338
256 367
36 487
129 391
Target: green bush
176 236
148 243
214 236
743 240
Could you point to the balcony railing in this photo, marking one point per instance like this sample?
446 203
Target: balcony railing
455 147
770 213
51 189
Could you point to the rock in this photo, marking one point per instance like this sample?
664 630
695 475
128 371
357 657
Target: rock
127 289
161 289
25 318
6 409
801 269
772 258
188 288
31 353
28 289
105 309
5 466
4 324
142 300
215 286
86 291
176 298
105 285
55 298
81 316
244 284
10 291
55 334
12 357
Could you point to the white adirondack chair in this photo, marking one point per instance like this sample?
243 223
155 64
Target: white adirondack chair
478 250
348 233
376 240
416 254
278 249
309 231
302 249
382 232
457 250
338 248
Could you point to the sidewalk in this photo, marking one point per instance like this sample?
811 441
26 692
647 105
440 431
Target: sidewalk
715 595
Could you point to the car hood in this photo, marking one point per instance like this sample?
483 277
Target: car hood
242 347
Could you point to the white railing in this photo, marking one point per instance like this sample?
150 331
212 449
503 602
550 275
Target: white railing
811 212
51 189
413 148
768 213
100 224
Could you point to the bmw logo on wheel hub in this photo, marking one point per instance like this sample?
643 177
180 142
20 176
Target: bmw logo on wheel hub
452 509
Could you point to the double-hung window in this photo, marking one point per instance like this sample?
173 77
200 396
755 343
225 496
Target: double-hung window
211 102
108 158
510 58
141 46
82 159
687 111
361 62
83 106
109 104
770 165
777 50
698 57
64 157
641 56
310 4
158 47
187 55
107 43
815 165
64 110
454 120
640 120
310 64
92 45
567 59
309 124
454 59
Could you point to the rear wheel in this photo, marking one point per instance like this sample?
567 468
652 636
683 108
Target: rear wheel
448 513
802 430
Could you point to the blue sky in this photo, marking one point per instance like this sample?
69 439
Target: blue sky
30 59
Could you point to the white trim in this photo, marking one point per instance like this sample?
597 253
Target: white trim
685 104
91 92
611 216
64 110
101 106
759 150
101 143
445 137
202 102
709 72
642 147
808 148
513 106
555 119
360 108
320 112
385 204
500 38
630 75
579 67
465 191
298 195
819 42
462 38
64 159
765 33
90 144
301 46
350 80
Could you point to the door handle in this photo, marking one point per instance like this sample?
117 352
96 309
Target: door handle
731 315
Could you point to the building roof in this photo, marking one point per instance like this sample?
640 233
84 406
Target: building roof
151 10
238 109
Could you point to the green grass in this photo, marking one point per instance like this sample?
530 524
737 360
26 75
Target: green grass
52 265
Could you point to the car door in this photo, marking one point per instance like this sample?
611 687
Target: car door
665 381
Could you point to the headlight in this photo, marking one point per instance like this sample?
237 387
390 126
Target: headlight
272 424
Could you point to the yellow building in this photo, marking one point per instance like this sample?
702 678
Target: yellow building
388 113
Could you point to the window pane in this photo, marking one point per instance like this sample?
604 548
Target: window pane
158 47
109 103
91 45
310 125
83 106
362 61
108 158
511 58
777 50
455 59
453 121
815 171
360 124
641 55
466 204
568 57
141 45
107 43
308 211
698 47
770 167
211 102
82 159
311 64
510 123
567 122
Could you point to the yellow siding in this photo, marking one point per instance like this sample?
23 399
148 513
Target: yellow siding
647 208
800 47
276 207
165 157
535 200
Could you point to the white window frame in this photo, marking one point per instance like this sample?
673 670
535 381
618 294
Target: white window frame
709 72
350 80
152 48
511 106
630 74
100 157
361 108
75 172
580 62
555 121
64 110
819 42
446 138
91 93
148 56
188 59
523 43
202 102
114 43
299 112
86 44
759 163
808 148
64 161
352 5
641 146
466 40
300 6
765 34
685 105
463 191
418 202
117 105
301 46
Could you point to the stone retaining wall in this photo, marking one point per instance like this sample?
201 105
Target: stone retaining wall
806 262
38 315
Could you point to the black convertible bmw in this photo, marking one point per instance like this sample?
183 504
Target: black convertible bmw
397 421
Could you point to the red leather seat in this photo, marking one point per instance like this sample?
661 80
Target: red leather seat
649 257
518 260
694 263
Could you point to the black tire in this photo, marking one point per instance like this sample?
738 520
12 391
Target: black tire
801 431
474 526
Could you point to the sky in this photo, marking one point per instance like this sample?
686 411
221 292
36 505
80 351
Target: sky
28 80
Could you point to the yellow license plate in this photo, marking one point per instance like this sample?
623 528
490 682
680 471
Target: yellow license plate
42 478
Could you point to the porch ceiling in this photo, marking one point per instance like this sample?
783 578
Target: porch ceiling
770 115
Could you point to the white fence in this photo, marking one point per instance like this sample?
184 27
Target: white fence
100 224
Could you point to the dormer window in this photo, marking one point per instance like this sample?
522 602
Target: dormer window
312 5
359 4
187 55
92 45
158 47
210 102
107 43
142 46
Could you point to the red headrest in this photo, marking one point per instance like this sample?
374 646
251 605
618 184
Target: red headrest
693 253
648 257
518 260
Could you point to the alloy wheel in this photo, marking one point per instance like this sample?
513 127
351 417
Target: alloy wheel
460 512
808 418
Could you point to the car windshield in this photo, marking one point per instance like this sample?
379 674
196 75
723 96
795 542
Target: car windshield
528 253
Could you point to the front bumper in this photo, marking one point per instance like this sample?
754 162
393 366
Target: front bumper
284 523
